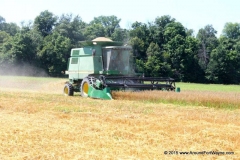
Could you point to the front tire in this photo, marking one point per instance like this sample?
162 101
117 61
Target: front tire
68 90
84 87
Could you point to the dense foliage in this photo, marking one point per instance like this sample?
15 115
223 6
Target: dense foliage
160 48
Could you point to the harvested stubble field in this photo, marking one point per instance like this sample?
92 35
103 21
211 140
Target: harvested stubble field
38 122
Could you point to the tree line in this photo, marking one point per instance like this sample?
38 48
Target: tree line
163 48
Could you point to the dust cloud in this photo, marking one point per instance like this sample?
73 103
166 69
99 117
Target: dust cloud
29 78
22 70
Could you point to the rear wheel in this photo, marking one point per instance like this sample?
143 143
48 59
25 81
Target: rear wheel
68 89
84 87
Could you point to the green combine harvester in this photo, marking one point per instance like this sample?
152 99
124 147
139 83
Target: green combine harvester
102 66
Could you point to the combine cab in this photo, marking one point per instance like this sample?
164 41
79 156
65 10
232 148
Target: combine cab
103 65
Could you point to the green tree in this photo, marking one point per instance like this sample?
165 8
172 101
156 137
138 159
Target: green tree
224 64
156 64
110 23
121 35
93 31
192 71
182 50
23 47
138 59
45 22
4 36
55 53
5 47
2 20
231 30
207 42
19 53
10 28
139 40
166 48
174 37
71 27
158 28
105 26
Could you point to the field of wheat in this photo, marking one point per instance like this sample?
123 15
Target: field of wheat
38 122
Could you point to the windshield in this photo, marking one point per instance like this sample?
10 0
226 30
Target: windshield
116 59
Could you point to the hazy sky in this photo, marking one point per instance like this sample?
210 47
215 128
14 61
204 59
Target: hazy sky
193 14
